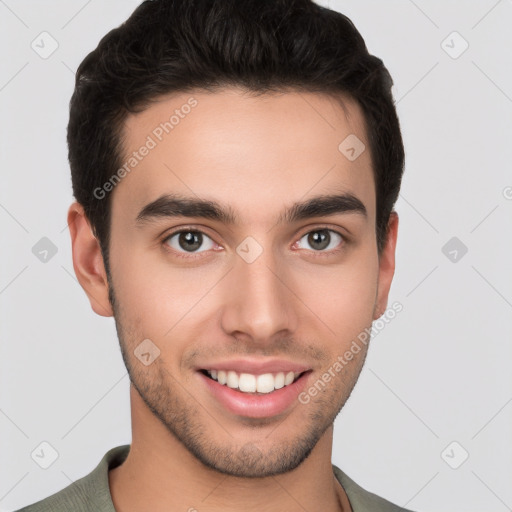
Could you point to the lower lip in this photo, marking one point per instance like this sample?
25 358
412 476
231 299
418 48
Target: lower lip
265 405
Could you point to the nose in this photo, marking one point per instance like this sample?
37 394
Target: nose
259 304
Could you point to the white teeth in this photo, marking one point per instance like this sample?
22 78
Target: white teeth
279 380
232 381
265 383
248 383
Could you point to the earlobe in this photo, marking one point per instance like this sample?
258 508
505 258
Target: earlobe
386 267
88 261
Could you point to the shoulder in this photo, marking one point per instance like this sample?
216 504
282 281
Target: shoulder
360 499
73 497
89 493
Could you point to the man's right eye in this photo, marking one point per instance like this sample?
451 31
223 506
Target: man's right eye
188 241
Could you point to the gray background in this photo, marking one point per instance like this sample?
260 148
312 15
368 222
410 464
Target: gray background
439 373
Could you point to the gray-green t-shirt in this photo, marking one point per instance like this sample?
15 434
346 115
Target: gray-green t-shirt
92 493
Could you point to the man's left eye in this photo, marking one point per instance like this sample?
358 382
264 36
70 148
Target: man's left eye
322 239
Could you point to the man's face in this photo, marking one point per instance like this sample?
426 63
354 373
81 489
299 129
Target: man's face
269 293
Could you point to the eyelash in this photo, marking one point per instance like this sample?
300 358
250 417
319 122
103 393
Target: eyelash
193 256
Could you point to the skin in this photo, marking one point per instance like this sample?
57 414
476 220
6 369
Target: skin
258 155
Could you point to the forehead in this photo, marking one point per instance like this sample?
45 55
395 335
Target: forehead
253 152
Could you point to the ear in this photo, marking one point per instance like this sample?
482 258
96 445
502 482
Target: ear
386 267
88 261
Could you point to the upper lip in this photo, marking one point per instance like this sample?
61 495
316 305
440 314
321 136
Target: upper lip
257 367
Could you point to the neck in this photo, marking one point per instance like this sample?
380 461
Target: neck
161 474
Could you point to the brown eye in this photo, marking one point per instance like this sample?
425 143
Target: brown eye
322 239
189 241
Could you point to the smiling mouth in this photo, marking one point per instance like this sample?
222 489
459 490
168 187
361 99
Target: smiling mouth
253 384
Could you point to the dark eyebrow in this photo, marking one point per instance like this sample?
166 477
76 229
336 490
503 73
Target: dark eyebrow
322 206
175 205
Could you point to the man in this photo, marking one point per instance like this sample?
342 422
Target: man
235 166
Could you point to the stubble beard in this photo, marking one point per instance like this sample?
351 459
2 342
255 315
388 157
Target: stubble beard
189 423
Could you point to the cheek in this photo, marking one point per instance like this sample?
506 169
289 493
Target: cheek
157 297
343 296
